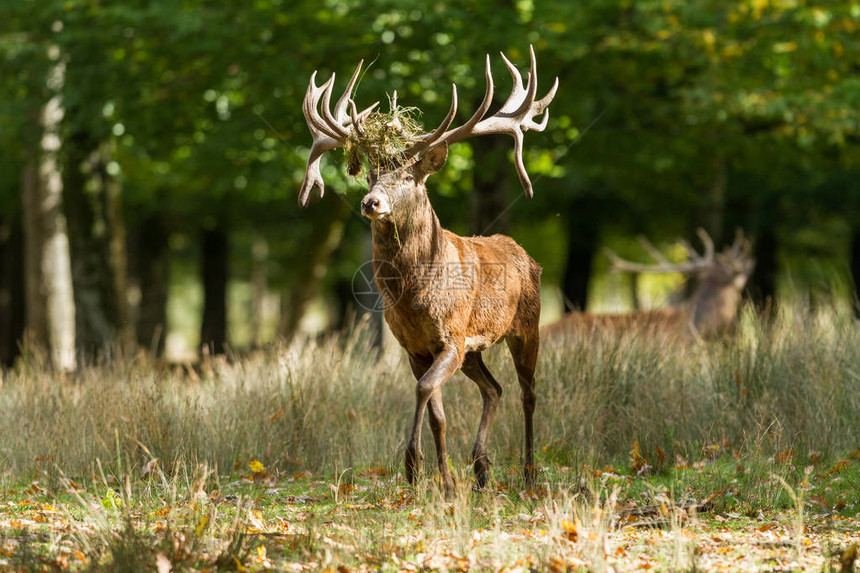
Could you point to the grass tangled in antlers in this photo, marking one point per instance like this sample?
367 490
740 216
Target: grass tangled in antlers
386 138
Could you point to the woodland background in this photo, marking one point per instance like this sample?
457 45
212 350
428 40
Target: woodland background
151 151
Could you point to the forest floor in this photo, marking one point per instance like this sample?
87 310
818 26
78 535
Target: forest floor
707 515
732 455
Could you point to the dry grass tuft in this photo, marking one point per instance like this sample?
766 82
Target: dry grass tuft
386 138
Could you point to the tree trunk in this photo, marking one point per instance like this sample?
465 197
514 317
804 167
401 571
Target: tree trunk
311 271
635 301
260 287
763 281
93 264
35 303
214 269
150 244
117 243
490 198
583 230
855 268
11 291
56 268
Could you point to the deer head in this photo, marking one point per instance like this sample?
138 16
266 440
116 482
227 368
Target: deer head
398 182
402 189
733 266
721 278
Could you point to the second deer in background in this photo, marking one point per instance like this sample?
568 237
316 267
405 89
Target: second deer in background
710 310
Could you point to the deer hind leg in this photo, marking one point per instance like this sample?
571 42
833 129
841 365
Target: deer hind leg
428 392
524 351
491 392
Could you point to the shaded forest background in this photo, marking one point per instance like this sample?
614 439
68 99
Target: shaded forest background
151 151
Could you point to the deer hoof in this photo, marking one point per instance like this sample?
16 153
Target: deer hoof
414 463
482 474
481 466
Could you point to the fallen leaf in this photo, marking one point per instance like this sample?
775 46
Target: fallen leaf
569 529
785 456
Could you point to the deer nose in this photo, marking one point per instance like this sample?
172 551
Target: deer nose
369 204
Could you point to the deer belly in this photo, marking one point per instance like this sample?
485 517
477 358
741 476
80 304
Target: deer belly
478 343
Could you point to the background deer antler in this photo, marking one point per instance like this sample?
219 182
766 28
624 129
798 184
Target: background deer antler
694 263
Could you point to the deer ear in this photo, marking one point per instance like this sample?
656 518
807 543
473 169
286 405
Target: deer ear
434 160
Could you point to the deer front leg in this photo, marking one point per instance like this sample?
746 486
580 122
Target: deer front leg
427 390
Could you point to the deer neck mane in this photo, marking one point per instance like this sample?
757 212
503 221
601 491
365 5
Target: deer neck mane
411 236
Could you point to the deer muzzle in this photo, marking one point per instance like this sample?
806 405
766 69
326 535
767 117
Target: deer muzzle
375 205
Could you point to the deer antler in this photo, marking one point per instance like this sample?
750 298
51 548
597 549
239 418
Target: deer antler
738 257
694 263
329 130
515 117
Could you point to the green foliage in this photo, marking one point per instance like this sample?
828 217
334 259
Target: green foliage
200 104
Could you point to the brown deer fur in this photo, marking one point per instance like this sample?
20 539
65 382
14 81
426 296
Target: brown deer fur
448 298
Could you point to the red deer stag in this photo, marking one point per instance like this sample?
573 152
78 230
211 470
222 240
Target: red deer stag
711 309
448 298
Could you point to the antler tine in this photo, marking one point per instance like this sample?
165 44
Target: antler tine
692 254
694 263
340 106
520 164
311 104
516 91
356 119
338 120
531 85
653 251
313 177
708 242
623 265
333 123
486 102
439 135
741 246
617 262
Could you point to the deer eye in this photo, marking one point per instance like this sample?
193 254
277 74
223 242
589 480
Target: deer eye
409 179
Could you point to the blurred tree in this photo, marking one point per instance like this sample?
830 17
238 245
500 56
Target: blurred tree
149 266
214 274
11 289
49 237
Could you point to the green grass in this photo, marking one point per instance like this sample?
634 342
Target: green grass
764 425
